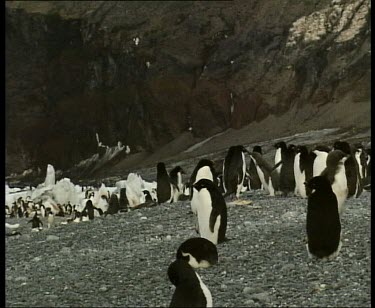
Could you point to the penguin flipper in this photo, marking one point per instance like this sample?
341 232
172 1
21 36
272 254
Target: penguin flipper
213 217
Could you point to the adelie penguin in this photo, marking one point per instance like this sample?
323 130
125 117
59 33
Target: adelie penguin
320 161
175 176
234 169
198 252
303 169
335 173
203 170
36 223
323 225
190 290
351 169
267 174
114 205
165 189
255 182
211 212
287 182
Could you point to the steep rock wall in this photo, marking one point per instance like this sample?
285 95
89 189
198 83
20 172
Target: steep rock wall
144 72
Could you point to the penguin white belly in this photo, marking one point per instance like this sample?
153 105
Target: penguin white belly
261 177
340 187
204 211
302 187
320 162
357 157
278 159
194 201
297 174
240 185
225 189
206 291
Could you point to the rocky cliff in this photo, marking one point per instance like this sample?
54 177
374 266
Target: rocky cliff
145 72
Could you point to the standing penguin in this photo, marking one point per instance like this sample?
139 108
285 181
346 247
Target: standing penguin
323 225
50 219
234 169
199 252
36 223
211 212
176 177
190 290
203 170
320 161
90 209
303 169
367 179
335 173
267 174
351 169
287 182
255 182
123 202
164 187
280 147
114 205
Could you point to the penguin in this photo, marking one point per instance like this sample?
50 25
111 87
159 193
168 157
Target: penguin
85 215
90 209
36 223
114 205
287 182
351 169
77 216
335 173
367 179
280 147
123 201
190 290
255 182
203 170
176 177
211 212
68 209
323 225
234 169
303 169
199 252
361 158
164 186
219 179
320 161
50 219
267 174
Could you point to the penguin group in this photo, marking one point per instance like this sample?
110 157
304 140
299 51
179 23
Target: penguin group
325 176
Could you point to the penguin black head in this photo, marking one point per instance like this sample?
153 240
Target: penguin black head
281 145
177 169
243 149
291 147
198 252
257 149
203 183
322 148
335 157
343 146
180 272
301 149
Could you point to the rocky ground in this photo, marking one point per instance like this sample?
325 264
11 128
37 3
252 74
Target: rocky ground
122 260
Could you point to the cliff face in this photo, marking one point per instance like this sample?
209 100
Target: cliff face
144 72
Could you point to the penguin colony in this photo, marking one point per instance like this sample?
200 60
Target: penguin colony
325 176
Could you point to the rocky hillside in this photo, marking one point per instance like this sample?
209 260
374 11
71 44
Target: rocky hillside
143 73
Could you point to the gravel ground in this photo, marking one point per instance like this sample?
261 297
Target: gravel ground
122 260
